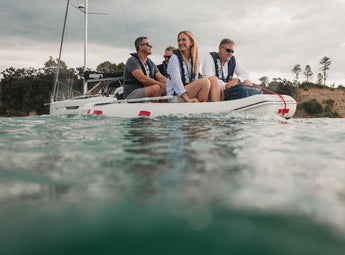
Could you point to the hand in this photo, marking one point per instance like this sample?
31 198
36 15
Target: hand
193 100
188 99
232 83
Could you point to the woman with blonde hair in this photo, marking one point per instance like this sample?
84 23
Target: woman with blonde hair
183 72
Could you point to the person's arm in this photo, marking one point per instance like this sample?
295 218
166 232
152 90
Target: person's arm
175 80
208 68
232 83
147 81
235 81
160 77
240 72
134 68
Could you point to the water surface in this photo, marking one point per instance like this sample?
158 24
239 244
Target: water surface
175 185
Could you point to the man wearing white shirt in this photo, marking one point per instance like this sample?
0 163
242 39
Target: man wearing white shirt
224 66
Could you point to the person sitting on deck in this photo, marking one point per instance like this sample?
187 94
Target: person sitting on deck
141 76
224 65
183 74
163 67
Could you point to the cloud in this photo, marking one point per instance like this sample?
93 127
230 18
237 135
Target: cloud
272 36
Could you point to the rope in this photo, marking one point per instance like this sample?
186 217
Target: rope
283 111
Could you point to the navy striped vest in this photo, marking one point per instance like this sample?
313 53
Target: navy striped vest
186 78
149 63
219 69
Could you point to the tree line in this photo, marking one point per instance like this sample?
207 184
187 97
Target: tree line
325 63
26 90
311 107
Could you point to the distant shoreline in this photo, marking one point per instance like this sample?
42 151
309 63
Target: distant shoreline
321 95
301 95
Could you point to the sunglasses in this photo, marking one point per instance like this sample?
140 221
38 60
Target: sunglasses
147 44
229 50
165 56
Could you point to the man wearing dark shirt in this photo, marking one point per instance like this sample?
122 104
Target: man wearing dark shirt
141 76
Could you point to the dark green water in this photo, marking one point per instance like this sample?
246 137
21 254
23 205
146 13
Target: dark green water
220 185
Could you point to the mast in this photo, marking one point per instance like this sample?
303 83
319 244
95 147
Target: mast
85 10
52 99
85 45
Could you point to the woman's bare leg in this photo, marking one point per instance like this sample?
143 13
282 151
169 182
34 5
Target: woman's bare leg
198 89
216 90
221 93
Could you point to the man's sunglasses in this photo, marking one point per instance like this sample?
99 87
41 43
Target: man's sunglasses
165 56
229 50
147 44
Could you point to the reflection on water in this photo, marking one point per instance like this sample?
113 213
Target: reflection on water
186 159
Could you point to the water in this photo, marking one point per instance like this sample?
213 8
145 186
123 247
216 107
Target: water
207 185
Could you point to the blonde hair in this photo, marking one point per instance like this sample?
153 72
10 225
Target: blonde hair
194 51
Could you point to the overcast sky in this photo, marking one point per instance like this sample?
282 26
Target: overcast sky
271 36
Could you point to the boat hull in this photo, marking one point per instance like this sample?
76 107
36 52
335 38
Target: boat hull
258 105
74 105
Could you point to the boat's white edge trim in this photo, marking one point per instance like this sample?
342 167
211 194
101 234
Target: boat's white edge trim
136 100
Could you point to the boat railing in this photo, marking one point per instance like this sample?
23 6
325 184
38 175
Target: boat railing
69 85
106 83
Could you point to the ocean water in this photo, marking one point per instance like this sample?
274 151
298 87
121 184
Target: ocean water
200 185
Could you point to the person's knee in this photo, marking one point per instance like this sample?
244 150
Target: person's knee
157 90
213 80
153 91
163 92
215 83
206 83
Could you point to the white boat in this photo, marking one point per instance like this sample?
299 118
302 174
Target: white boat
260 105
108 104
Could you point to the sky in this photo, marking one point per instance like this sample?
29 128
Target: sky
271 35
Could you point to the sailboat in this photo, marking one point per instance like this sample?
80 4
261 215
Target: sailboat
109 103
63 103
